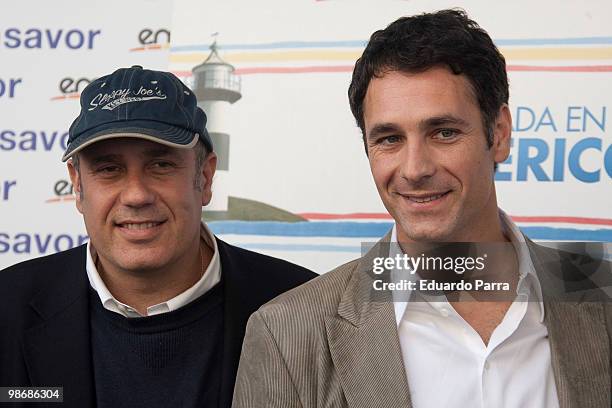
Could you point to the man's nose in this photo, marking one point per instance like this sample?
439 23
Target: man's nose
136 192
417 161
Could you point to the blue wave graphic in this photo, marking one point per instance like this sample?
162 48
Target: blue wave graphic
348 229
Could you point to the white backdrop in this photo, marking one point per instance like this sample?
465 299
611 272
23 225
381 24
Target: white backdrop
40 45
294 143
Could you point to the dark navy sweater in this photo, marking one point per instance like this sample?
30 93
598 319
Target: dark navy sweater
167 360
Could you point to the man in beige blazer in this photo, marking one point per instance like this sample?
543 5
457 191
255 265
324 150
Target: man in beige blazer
430 94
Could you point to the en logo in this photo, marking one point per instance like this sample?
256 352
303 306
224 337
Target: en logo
70 88
62 191
70 85
150 39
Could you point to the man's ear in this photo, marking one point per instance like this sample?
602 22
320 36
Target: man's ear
208 172
501 134
75 178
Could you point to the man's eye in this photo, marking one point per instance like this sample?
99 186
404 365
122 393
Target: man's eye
108 169
162 165
446 134
389 139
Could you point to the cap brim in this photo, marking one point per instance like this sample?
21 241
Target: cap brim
170 136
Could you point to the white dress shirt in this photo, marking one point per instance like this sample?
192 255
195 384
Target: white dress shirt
210 277
447 363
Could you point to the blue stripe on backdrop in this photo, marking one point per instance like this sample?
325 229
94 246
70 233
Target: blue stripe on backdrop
344 229
347 229
568 234
362 44
267 246
275 45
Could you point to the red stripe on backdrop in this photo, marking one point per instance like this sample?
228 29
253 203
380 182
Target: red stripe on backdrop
68 96
352 216
149 47
516 218
569 220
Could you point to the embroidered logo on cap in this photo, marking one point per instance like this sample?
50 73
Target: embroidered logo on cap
109 101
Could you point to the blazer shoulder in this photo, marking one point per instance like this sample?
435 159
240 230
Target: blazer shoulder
266 267
573 272
19 282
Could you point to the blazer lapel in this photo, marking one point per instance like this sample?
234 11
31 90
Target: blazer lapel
579 344
364 343
57 351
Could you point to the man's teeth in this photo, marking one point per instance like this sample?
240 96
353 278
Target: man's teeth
140 226
425 199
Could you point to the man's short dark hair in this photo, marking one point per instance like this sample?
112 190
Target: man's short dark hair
444 38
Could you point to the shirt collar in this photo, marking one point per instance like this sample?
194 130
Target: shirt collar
210 277
528 284
528 277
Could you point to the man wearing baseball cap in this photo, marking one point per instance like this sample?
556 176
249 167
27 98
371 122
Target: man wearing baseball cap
152 311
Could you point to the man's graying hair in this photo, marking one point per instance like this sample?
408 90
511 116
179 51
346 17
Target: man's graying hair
200 151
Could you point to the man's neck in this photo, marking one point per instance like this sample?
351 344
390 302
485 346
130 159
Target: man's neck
485 311
142 289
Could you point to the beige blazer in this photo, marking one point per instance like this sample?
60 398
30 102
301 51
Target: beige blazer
327 344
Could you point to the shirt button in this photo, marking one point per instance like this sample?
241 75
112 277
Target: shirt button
444 312
487 365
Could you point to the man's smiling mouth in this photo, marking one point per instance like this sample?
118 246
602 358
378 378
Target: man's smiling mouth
425 197
131 225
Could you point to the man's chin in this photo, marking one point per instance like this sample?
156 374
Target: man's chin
140 261
425 233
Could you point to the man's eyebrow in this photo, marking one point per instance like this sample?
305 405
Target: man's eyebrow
105 158
442 120
382 129
432 122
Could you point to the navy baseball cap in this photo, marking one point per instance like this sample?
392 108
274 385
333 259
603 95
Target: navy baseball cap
139 103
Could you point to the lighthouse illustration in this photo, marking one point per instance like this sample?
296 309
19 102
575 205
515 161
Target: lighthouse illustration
216 87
